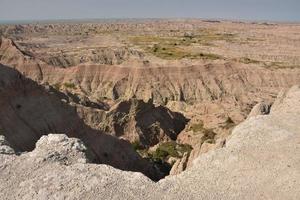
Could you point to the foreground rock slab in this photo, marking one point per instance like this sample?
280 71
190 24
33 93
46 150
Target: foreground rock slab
261 160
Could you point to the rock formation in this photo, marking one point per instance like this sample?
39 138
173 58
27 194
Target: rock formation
5 147
59 148
209 82
151 96
263 149
260 109
146 123
30 111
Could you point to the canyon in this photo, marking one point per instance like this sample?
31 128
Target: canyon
169 102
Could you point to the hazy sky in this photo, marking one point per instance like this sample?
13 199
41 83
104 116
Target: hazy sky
276 10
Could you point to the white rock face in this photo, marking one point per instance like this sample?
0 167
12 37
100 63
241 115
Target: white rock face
5 147
59 148
261 160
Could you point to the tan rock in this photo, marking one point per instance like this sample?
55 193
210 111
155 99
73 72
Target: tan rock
180 165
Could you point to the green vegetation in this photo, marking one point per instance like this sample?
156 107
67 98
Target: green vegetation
166 52
163 152
207 36
198 37
175 47
70 85
137 145
171 53
197 127
166 149
170 149
209 135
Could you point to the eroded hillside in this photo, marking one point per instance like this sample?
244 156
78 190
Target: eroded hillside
173 89
263 149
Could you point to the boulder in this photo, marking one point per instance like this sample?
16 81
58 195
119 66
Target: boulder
60 148
5 147
261 108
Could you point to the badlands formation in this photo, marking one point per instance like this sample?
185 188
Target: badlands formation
151 109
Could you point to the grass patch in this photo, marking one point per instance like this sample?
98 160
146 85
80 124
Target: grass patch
202 37
70 85
174 47
197 127
170 149
137 145
172 53
210 36
208 134
167 52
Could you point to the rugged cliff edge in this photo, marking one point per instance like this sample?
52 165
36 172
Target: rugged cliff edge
30 110
110 98
260 161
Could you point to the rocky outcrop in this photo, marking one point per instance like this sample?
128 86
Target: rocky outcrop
57 165
104 56
91 82
180 165
200 148
263 149
262 108
287 102
138 121
5 147
29 111
59 148
225 81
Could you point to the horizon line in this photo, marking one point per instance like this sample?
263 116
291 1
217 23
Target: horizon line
30 21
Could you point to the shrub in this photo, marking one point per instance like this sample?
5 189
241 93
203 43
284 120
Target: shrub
172 48
197 127
164 150
170 149
209 134
137 145
70 85
209 56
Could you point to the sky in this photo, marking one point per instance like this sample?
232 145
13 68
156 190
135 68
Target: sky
268 10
